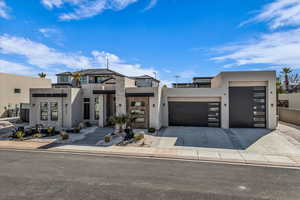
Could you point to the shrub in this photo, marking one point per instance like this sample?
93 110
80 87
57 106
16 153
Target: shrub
51 130
138 137
107 139
151 130
64 135
88 124
37 135
77 130
20 134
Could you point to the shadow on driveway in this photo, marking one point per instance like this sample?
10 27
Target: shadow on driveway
238 139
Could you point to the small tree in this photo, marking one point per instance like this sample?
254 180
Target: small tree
286 71
119 121
42 75
76 77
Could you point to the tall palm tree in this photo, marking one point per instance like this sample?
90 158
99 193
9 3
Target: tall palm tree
76 77
42 75
286 71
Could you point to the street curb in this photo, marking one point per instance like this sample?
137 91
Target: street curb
163 157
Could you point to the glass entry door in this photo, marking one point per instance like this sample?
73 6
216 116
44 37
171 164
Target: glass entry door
138 108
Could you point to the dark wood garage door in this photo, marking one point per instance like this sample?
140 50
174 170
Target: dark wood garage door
247 107
205 114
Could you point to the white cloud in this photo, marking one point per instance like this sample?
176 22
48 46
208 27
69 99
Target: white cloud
4 10
47 32
151 4
50 59
12 67
281 48
39 54
86 8
280 13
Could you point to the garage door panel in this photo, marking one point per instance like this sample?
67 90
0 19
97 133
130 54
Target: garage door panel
247 107
194 114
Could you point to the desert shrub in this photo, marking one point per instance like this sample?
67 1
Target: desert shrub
64 135
107 139
88 124
138 137
77 130
37 135
151 130
51 130
20 134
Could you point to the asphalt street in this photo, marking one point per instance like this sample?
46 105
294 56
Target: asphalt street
43 176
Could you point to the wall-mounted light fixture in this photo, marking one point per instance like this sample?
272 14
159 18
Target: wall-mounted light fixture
33 105
153 105
66 105
164 104
225 104
272 105
120 105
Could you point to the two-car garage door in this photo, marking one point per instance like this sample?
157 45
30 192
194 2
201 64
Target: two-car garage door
205 114
247 109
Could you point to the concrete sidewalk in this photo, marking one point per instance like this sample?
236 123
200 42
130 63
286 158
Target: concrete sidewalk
229 156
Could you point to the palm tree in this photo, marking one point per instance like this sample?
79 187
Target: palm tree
76 77
286 71
42 75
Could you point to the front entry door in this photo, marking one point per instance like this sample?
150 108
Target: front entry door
138 108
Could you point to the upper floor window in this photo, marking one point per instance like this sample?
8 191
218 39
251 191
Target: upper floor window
17 90
143 83
83 80
63 79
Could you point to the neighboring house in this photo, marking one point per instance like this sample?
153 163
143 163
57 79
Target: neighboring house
291 100
198 82
230 99
14 90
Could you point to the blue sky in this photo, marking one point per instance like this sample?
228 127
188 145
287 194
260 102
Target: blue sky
170 37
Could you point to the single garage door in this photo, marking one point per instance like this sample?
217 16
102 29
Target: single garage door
205 114
247 107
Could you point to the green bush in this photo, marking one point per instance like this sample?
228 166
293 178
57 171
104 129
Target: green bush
138 137
107 139
20 134
64 135
151 130
37 135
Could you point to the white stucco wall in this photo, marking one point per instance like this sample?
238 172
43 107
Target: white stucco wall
220 89
293 98
9 82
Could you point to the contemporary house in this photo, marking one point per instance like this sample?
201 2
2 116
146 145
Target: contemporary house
14 90
228 100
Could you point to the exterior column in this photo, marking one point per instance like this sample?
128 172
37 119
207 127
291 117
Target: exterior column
102 111
120 96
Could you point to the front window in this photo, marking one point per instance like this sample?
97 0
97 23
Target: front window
54 111
44 111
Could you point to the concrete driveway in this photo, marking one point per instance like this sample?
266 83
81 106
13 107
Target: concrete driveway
251 140
210 137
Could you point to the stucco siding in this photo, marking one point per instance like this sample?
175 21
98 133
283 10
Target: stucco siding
10 82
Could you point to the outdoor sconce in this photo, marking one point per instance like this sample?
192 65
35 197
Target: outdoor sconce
33 105
120 105
272 105
66 105
164 104
153 105
224 94
225 104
